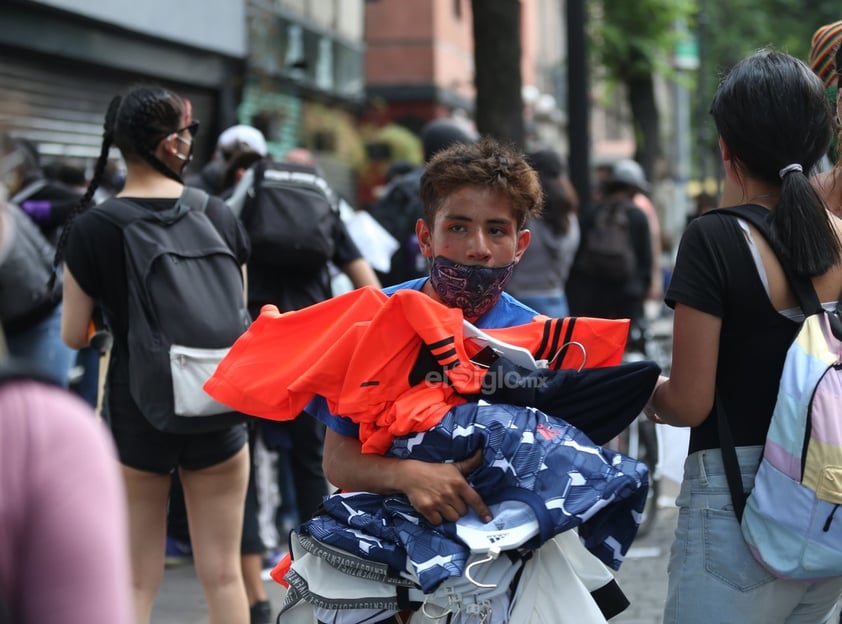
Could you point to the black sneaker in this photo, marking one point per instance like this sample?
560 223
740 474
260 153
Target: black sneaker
261 612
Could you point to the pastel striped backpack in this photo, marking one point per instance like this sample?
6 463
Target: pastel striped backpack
791 519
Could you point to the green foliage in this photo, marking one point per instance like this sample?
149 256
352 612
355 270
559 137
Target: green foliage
736 28
636 37
633 38
730 31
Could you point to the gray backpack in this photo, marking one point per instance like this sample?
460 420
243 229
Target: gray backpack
186 309
25 272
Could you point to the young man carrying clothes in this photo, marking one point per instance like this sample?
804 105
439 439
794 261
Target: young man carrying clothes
477 198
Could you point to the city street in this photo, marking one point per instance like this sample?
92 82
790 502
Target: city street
180 600
418 147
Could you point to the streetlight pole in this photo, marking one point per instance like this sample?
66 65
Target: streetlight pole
701 88
686 59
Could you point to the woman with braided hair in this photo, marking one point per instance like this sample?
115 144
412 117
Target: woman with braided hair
153 129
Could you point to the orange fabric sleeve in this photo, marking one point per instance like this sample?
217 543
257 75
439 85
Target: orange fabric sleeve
255 375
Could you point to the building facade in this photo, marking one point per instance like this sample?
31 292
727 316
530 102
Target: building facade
61 62
419 65
303 83
292 68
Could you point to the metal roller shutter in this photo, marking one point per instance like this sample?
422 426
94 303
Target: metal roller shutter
61 108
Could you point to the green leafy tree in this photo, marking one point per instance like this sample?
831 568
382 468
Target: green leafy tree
630 42
633 40
729 31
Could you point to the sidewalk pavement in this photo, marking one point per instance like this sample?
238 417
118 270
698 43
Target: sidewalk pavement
180 600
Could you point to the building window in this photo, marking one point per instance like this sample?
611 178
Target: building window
324 66
295 47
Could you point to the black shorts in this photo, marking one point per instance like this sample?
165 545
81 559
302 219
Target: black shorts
143 447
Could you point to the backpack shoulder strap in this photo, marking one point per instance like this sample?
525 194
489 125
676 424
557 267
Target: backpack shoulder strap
761 219
242 191
835 319
194 199
729 459
259 168
123 212
807 299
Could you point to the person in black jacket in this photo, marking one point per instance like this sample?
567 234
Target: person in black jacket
400 207
231 142
592 289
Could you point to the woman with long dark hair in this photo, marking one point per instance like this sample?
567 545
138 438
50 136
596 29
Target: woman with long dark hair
735 318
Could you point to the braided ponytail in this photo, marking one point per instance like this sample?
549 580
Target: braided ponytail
84 202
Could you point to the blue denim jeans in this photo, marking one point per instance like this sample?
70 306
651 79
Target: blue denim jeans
713 578
42 347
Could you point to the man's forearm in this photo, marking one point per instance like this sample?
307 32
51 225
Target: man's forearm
438 491
348 468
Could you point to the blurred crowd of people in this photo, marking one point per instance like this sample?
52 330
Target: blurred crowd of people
226 498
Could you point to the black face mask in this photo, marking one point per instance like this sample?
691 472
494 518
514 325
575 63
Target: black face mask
475 289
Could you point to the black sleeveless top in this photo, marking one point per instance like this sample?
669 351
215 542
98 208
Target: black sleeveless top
715 273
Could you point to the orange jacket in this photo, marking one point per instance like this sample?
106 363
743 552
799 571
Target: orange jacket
357 350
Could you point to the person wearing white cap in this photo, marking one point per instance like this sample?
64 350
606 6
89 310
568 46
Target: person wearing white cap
241 138
234 140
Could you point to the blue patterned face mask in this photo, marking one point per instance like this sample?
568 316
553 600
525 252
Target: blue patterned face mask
475 289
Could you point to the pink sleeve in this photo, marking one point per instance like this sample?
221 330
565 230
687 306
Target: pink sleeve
63 533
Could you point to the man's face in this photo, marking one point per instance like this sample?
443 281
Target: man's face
474 226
